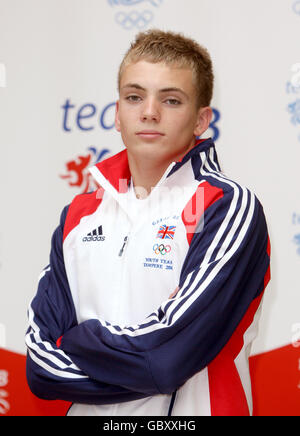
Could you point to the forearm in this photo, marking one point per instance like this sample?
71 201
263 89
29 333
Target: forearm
51 372
188 331
47 386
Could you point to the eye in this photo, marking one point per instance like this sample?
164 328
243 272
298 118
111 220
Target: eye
173 101
133 98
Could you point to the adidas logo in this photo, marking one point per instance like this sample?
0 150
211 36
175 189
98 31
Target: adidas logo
95 235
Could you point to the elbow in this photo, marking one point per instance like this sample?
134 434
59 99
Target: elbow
36 382
167 381
171 368
166 376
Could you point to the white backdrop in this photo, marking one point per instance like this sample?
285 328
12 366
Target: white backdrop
61 59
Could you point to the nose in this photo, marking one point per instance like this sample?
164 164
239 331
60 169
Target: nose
150 110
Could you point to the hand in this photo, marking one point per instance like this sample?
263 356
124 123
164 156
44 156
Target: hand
174 293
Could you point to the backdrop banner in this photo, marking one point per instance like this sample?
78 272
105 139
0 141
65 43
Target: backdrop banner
59 61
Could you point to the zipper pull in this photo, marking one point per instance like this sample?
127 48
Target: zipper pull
123 247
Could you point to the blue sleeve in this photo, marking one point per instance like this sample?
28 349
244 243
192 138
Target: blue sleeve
224 272
51 373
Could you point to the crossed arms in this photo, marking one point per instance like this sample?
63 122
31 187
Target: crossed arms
95 362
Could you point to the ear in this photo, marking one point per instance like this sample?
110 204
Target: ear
203 121
117 118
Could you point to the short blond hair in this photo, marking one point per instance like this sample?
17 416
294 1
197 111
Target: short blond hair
176 50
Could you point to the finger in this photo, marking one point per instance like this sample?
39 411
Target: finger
174 293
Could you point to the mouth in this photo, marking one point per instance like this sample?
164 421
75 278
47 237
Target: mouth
149 134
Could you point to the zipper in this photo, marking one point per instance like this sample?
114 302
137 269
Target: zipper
172 403
121 278
124 246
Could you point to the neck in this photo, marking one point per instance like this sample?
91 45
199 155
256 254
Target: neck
145 175
147 172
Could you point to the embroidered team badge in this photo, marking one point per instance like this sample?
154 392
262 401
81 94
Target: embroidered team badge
166 232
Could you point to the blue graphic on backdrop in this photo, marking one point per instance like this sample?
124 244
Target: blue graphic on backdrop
134 2
296 239
297 242
87 116
137 18
296 7
294 110
134 19
293 91
213 124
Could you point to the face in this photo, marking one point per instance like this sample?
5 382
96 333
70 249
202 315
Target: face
156 112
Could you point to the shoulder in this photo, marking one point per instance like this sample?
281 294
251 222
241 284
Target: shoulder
82 205
233 192
238 210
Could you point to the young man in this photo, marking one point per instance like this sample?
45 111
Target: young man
153 292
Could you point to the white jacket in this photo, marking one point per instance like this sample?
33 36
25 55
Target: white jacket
103 332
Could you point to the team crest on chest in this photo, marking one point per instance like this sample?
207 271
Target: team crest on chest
160 258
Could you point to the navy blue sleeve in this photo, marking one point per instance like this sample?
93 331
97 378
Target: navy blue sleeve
51 373
224 272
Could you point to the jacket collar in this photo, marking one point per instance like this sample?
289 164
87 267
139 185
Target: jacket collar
113 174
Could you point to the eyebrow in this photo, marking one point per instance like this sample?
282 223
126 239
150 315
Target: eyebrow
163 90
134 85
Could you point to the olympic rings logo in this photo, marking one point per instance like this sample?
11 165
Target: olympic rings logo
161 249
134 19
296 7
155 3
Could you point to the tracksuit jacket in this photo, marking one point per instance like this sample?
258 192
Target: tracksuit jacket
104 332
